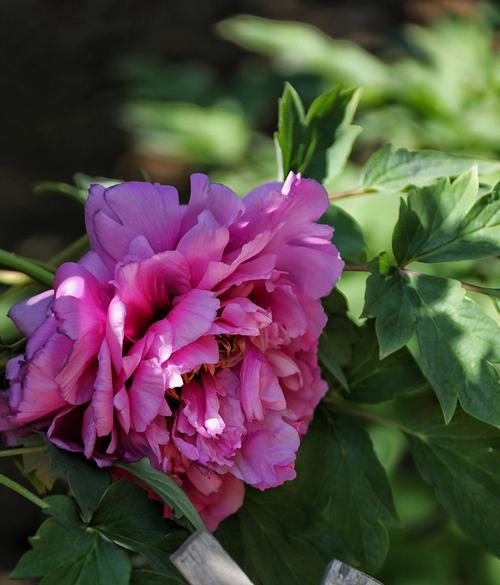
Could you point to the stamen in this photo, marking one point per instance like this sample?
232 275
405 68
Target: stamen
230 354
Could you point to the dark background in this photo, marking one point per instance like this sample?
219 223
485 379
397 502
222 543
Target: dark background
61 95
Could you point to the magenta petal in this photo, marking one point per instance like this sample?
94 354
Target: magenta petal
201 409
29 314
92 262
102 398
212 307
202 244
204 350
314 269
38 381
192 316
224 205
115 330
117 215
146 394
260 268
121 405
89 431
250 383
77 377
241 316
261 192
279 441
148 286
66 430
229 500
80 304
287 309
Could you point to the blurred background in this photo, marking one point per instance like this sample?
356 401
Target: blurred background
125 90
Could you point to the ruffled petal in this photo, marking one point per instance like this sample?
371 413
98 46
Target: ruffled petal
116 216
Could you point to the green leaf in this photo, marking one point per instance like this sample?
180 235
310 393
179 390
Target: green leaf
338 507
455 344
448 221
63 509
338 337
130 519
341 473
329 135
372 380
72 555
329 361
166 488
394 170
462 463
86 481
457 347
146 577
391 301
348 236
279 537
35 465
291 118
318 143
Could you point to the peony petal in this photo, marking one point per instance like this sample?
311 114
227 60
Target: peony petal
76 379
314 269
192 316
80 302
102 398
146 394
215 498
147 288
250 383
224 205
279 441
202 244
204 350
115 331
30 313
241 316
94 264
116 216
122 408
41 396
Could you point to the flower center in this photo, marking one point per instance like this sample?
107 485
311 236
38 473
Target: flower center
230 354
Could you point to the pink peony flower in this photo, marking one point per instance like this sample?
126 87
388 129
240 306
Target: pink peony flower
187 334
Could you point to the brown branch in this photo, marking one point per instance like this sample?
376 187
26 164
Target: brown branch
466 285
352 193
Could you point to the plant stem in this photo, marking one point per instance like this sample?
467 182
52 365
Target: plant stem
352 193
21 451
22 491
356 268
13 277
342 409
29 267
48 186
472 287
73 252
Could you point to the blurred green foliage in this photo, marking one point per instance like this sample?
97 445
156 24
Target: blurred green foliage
439 88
